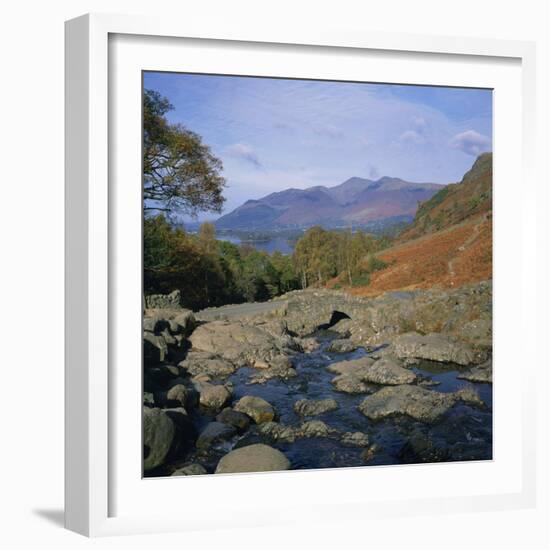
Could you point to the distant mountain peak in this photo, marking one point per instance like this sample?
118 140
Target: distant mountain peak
353 180
385 179
358 200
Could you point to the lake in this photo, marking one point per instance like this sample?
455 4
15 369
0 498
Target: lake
274 244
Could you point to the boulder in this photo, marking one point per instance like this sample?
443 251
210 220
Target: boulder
312 407
385 371
183 322
238 342
215 432
253 458
178 395
479 373
190 470
315 428
355 439
201 363
342 345
278 432
348 383
237 419
281 370
164 330
213 396
289 434
158 436
257 408
433 347
353 366
414 401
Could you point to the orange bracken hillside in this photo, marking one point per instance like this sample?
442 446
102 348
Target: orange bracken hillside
453 257
449 244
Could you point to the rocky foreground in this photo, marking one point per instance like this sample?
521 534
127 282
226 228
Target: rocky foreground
255 387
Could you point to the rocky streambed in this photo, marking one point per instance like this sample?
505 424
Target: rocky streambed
317 379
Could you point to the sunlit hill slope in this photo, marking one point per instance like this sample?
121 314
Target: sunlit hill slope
448 244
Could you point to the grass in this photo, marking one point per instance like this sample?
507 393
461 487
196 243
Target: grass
431 203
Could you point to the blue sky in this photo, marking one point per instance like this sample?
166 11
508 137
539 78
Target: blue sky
272 134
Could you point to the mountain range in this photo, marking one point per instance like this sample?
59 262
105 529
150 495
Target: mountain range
355 201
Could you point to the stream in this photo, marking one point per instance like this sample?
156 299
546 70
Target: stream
464 433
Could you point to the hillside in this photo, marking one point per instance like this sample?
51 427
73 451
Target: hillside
449 243
457 202
355 201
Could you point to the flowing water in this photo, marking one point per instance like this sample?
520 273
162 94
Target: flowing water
464 433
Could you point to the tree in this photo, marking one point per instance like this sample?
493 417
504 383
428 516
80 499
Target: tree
180 174
257 276
288 280
320 255
207 238
208 245
170 260
315 256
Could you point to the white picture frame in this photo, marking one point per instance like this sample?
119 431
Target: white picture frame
99 500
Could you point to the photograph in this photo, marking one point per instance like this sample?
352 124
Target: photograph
317 274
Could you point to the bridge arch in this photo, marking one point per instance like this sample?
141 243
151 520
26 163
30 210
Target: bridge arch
335 317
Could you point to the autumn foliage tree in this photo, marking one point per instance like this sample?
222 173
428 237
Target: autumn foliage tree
315 256
180 173
321 255
209 272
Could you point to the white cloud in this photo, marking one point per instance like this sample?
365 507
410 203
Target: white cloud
411 136
244 151
418 135
471 143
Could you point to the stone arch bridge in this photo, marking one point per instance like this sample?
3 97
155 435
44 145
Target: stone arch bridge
303 311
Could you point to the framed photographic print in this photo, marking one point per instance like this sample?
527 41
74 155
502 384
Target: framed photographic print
294 264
